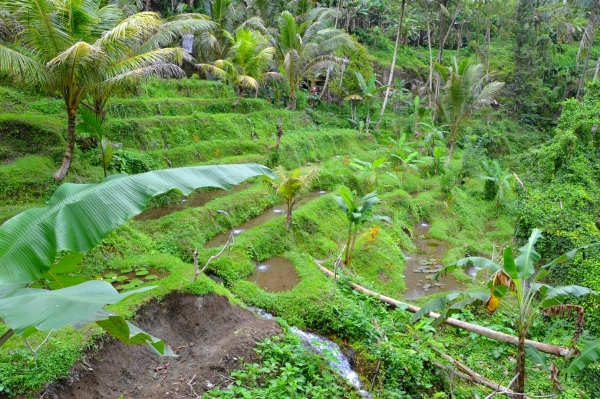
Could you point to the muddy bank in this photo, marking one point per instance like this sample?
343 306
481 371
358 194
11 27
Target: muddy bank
210 335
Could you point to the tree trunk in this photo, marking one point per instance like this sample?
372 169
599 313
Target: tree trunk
239 99
597 68
391 78
489 50
486 332
326 85
68 158
452 141
443 41
587 59
430 57
292 104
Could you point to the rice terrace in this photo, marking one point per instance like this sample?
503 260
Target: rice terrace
233 199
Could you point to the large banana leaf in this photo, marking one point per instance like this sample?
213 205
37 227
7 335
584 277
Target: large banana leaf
23 308
78 216
130 334
589 354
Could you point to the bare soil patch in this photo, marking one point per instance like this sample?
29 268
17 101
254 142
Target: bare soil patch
210 335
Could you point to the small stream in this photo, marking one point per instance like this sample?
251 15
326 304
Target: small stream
421 266
322 345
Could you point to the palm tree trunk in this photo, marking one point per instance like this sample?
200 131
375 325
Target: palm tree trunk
597 69
452 142
445 38
587 59
239 99
292 104
391 78
430 57
68 158
326 85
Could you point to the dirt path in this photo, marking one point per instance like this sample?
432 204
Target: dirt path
211 337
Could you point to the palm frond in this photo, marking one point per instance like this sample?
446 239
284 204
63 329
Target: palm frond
131 27
21 66
133 77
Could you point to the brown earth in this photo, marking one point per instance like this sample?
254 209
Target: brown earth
210 335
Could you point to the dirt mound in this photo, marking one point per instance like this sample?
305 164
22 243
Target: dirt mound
210 335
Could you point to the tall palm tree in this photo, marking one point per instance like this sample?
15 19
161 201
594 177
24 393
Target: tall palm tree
62 46
215 44
393 66
464 91
138 55
305 45
248 62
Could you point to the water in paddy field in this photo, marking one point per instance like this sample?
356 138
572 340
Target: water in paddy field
275 275
194 200
425 263
267 215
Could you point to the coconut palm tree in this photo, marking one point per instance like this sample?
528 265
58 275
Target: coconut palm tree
292 188
215 44
464 91
248 62
393 66
304 46
63 45
139 55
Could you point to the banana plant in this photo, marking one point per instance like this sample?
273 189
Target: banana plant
498 181
77 218
368 170
431 133
292 188
369 91
358 213
408 161
516 287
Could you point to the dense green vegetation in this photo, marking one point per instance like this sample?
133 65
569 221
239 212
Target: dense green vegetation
489 131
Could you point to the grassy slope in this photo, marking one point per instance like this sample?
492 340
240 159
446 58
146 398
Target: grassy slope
165 243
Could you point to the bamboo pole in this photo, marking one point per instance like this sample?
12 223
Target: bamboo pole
486 332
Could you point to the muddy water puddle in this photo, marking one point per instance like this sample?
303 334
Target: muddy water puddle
275 275
267 215
425 263
194 200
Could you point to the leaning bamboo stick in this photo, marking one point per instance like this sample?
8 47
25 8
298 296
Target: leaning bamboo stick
486 332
